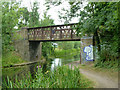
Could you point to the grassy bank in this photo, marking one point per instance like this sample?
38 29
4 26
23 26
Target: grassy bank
62 77
62 53
113 64
11 58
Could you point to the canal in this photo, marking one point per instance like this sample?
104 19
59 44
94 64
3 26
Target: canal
50 65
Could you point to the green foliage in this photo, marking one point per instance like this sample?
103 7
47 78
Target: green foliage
70 48
21 17
68 45
77 45
100 19
30 18
65 45
11 58
47 21
70 52
107 60
11 12
34 15
47 49
107 64
16 36
62 77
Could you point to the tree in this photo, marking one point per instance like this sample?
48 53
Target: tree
66 45
99 19
24 18
46 21
77 45
11 13
34 15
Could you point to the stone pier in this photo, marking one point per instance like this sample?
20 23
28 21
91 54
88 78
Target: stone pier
87 55
28 50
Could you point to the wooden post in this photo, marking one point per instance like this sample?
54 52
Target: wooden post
71 33
34 35
60 33
42 34
51 33
27 32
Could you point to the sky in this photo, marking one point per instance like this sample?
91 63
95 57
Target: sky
53 12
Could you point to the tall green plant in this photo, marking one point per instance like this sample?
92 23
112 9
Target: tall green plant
34 15
62 77
11 13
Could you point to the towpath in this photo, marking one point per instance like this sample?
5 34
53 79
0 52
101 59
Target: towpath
102 78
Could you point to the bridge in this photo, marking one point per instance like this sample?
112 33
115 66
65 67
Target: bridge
29 46
53 33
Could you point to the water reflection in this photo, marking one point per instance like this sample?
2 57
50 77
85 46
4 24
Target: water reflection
61 61
56 62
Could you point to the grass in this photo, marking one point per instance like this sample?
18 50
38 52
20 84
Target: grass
11 72
62 53
113 64
11 58
62 77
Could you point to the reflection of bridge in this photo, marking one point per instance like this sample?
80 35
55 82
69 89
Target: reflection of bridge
29 46
53 33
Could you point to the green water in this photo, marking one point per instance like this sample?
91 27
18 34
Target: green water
51 64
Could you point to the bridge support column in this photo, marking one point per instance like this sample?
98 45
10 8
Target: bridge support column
29 51
87 55
21 44
35 49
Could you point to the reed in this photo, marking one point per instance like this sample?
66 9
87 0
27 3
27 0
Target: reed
61 77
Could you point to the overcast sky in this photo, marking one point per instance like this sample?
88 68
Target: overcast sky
53 12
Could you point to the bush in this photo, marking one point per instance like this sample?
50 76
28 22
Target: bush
107 58
107 64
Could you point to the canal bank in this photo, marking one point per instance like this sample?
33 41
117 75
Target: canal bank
49 65
56 65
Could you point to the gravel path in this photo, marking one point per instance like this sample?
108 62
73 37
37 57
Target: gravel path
101 79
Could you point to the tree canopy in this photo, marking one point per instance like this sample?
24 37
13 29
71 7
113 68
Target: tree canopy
97 18
14 17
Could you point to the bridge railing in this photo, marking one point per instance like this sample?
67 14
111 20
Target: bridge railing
55 32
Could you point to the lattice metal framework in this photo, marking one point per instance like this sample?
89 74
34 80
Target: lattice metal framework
53 33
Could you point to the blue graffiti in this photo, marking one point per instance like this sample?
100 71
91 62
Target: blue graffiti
89 52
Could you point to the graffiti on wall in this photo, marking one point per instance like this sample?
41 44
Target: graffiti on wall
89 52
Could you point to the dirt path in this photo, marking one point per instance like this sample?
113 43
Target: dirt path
102 79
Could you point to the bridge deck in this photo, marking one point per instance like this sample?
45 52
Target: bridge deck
53 33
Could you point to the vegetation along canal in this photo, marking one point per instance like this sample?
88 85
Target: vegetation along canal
50 65
58 36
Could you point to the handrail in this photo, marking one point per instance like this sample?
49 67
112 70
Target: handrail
52 26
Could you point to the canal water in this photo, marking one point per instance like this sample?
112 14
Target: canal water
51 64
